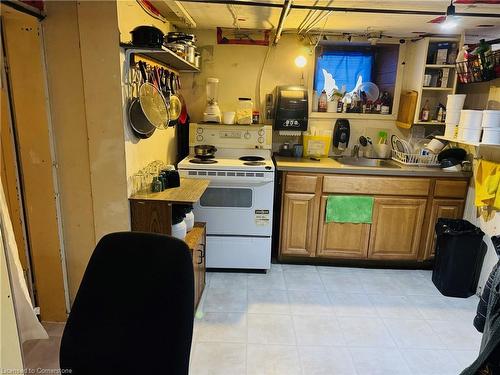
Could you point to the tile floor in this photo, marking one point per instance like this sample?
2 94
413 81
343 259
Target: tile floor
331 320
320 320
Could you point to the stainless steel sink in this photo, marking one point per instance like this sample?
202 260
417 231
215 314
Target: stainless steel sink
364 162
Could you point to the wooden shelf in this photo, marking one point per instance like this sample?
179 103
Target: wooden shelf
164 56
429 123
366 116
428 88
449 139
439 66
190 191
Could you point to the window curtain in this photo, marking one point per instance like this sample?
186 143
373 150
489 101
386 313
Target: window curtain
345 67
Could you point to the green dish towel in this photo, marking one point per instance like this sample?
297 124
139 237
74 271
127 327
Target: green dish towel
349 209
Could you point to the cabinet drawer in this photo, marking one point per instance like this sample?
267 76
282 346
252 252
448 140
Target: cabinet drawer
376 185
295 183
451 189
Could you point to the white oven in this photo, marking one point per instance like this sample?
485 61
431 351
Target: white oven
238 209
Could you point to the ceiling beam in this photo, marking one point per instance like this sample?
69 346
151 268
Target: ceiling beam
284 13
345 9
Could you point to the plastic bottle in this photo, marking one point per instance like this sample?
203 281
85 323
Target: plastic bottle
323 102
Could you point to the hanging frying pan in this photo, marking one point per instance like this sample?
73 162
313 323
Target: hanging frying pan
183 117
141 127
175 103
152 101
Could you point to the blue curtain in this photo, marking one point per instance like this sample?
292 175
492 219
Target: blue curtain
345 67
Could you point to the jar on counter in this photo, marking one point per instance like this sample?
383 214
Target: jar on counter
244 111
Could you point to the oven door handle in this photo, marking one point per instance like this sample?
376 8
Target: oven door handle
236 181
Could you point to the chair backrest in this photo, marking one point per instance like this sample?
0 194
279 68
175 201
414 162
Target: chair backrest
134 310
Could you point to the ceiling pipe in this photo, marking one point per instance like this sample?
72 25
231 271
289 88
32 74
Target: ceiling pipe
327 14
341 9
284 13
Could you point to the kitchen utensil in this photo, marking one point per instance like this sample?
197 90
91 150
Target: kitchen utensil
139 122
152 101
298 150
228 117
451 165
371 90
183 116
175 102
453 153
205 150
436 145
382 150
147 36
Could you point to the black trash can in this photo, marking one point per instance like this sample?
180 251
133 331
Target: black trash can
460 251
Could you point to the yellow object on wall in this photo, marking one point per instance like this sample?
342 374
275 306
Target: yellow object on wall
487 180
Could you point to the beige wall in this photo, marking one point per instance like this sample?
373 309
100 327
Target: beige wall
83 62
238 68
131 15
162 145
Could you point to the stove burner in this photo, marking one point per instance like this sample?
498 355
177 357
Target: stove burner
254 163
202 161
252 158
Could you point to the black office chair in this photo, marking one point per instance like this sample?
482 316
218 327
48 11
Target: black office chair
134 310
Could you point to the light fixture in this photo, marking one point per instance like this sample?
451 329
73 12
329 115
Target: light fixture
300 61
451 18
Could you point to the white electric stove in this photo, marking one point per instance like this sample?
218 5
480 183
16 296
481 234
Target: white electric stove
238 204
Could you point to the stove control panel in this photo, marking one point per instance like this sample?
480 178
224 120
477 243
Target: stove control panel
231 136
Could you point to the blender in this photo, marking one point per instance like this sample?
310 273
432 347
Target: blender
212 111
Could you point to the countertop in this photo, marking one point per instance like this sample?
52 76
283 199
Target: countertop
190 191
327 165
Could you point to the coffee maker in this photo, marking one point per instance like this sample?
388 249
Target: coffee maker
341 134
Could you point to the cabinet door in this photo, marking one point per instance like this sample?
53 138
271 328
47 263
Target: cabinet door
444 208
196 272
341 240
299 224
396 228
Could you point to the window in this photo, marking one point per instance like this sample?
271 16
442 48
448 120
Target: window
346 67
335 69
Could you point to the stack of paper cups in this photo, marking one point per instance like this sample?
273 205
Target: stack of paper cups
454 105
469 127
491 127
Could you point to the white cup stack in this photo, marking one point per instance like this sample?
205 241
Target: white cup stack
469 127
454 105
491 127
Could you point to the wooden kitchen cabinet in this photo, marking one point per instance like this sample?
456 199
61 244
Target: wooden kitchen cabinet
396 228
196 240
441 208
404 215
299 224
341 240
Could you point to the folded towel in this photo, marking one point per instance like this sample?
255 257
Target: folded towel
349 209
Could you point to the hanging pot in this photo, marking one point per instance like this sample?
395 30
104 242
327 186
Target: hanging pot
147 36
141 127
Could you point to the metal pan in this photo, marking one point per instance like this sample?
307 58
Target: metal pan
141 127
175 103
152 101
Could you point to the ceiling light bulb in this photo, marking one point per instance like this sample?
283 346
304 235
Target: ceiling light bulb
300 61
450 22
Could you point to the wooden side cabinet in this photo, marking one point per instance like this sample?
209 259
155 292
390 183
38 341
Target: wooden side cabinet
396 229
441 208
196 240
341 240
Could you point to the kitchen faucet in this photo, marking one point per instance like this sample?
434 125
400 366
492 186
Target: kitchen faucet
355 151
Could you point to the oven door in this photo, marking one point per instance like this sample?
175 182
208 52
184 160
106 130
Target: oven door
237 206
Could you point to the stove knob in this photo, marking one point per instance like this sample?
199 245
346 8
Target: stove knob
261 132
199 130
199 138
261 140
247 135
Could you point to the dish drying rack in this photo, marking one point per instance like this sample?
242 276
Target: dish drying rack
418 160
